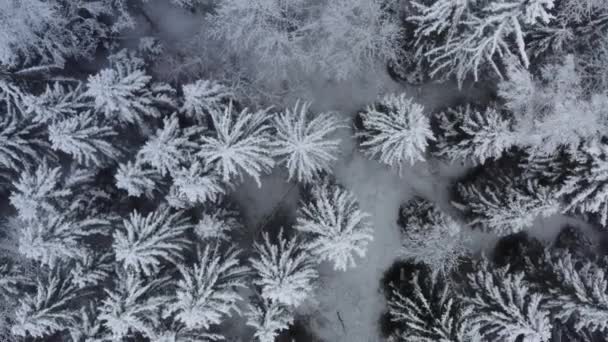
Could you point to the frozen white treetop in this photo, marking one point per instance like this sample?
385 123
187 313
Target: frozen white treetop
304 141
92 268
481 33
132 305
143 243
84 139
395 130
471 134
55 237
136 179
431 312
339 229
268 319
578 292
586 189
30 30
22 142
168 148
38 190
239 144
203 97
504 307
429 235
55 103
45 312
506 205
284 270
126 93
336 39
207 291
217 225
198 183
555 110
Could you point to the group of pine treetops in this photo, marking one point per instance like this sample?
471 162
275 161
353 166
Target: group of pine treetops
120 155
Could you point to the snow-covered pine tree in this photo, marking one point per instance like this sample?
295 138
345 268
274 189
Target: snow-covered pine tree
38 190
57 236
503 203
485 34
576 290
430 311
137 179
132 305
304 141
92 268
125 92
338 228
467 133
168 148
268 318
429 235
395 130
284 270
554 110
143 243
207 291
86 139
218 224
48 310
585 190
504 307
198 183
202 97
239 144
23 142
57 102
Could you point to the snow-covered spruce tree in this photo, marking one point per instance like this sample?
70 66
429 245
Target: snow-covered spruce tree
576 290
467 133
86 325
505 204
131 306
38 190
137 179
143 243
429 235
268 318
430 311
338 228
125 93
504 307
168 148
239 144
91 268
218 224
48 310
22 142
395 130
481 35
554 110
57 102
86 139
284 270
198 183
585 190
304 141
207 291
55 236
202 97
